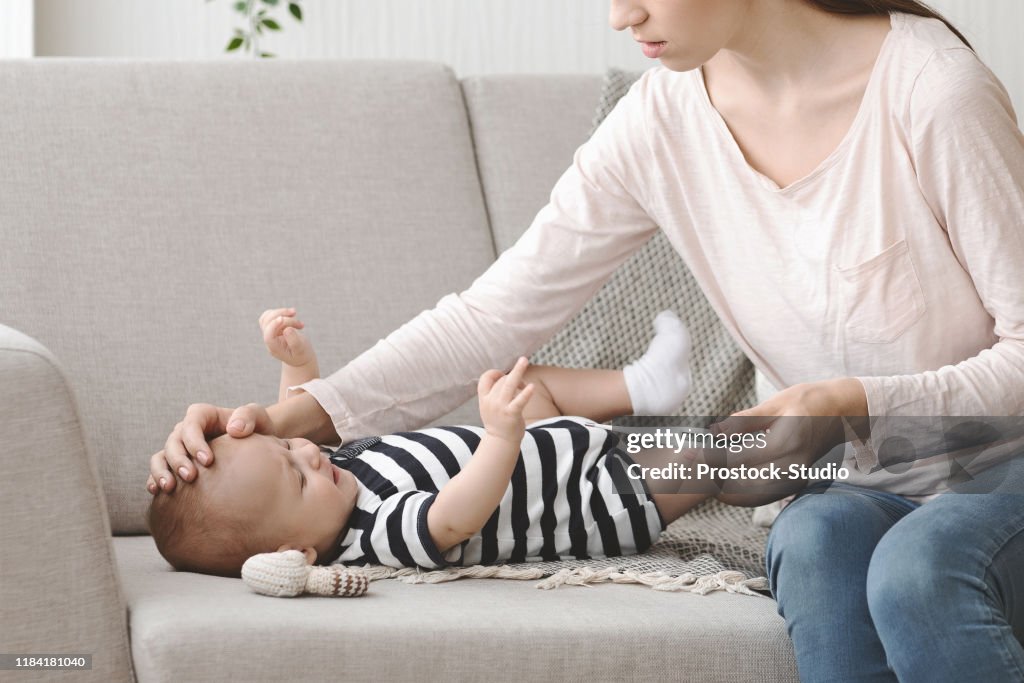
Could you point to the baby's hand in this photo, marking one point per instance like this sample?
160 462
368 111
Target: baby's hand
502 399
281 334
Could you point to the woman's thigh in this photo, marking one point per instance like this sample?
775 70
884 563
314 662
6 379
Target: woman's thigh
946 584
817 560
832 529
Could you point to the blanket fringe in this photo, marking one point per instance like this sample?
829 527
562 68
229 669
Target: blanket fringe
728 581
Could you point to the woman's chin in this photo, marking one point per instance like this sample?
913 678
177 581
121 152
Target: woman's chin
680 64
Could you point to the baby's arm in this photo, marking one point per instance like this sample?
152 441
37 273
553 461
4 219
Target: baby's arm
281 334
466 502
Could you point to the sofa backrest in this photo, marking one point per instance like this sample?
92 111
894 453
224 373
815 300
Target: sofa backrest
149 211
526 129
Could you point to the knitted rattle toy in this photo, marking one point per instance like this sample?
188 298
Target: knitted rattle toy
287 574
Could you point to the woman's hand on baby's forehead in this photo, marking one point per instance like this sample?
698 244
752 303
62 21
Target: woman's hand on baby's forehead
189 437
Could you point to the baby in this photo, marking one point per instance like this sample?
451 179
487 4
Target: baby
445 495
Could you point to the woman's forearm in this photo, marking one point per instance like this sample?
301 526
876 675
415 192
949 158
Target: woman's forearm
302 416
429 366
466 502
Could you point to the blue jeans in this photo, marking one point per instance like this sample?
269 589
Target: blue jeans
874 587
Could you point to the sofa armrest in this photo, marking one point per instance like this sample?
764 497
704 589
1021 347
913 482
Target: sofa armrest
59 591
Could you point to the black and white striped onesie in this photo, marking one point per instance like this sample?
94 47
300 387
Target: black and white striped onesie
563 501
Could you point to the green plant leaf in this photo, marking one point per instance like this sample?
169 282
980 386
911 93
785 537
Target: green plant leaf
272 3
295 10
234 44
240 6
266 55
271 24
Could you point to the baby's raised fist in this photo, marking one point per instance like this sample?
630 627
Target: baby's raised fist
280 328
502 399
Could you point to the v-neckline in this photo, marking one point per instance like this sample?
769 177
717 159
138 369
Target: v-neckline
895 19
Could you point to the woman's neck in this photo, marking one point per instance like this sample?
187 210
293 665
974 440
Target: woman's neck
786 46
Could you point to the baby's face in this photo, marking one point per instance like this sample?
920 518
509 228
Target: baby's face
303 499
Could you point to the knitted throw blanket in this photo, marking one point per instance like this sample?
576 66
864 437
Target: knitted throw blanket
713 547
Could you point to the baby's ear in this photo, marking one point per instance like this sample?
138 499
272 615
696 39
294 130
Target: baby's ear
309 552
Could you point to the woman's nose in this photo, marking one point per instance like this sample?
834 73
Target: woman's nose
626 13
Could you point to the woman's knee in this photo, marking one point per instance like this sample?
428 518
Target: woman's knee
814 536
916 573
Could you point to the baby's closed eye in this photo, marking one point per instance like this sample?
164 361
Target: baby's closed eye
302 477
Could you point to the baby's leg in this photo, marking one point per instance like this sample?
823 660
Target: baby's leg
672 506
660 380
656 384
597 394
672 497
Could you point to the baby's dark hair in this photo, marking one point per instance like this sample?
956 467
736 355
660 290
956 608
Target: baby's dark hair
195 536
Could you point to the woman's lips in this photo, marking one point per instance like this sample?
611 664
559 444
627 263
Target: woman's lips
653 50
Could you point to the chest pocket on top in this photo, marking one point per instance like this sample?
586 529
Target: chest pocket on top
880 298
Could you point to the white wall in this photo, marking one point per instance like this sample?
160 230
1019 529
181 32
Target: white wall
996 30
473 36
15 28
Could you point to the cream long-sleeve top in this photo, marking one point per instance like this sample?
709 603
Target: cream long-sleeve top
899 260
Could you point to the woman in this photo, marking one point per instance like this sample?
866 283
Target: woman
844 178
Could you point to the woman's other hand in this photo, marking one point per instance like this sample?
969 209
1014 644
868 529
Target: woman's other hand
189 437
802 423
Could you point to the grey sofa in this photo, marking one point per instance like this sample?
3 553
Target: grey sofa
148 213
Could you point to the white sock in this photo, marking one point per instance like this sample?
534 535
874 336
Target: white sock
660 381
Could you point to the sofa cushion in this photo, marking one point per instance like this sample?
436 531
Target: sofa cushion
193 627
152 210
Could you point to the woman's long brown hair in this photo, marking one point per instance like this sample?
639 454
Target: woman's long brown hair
885 7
